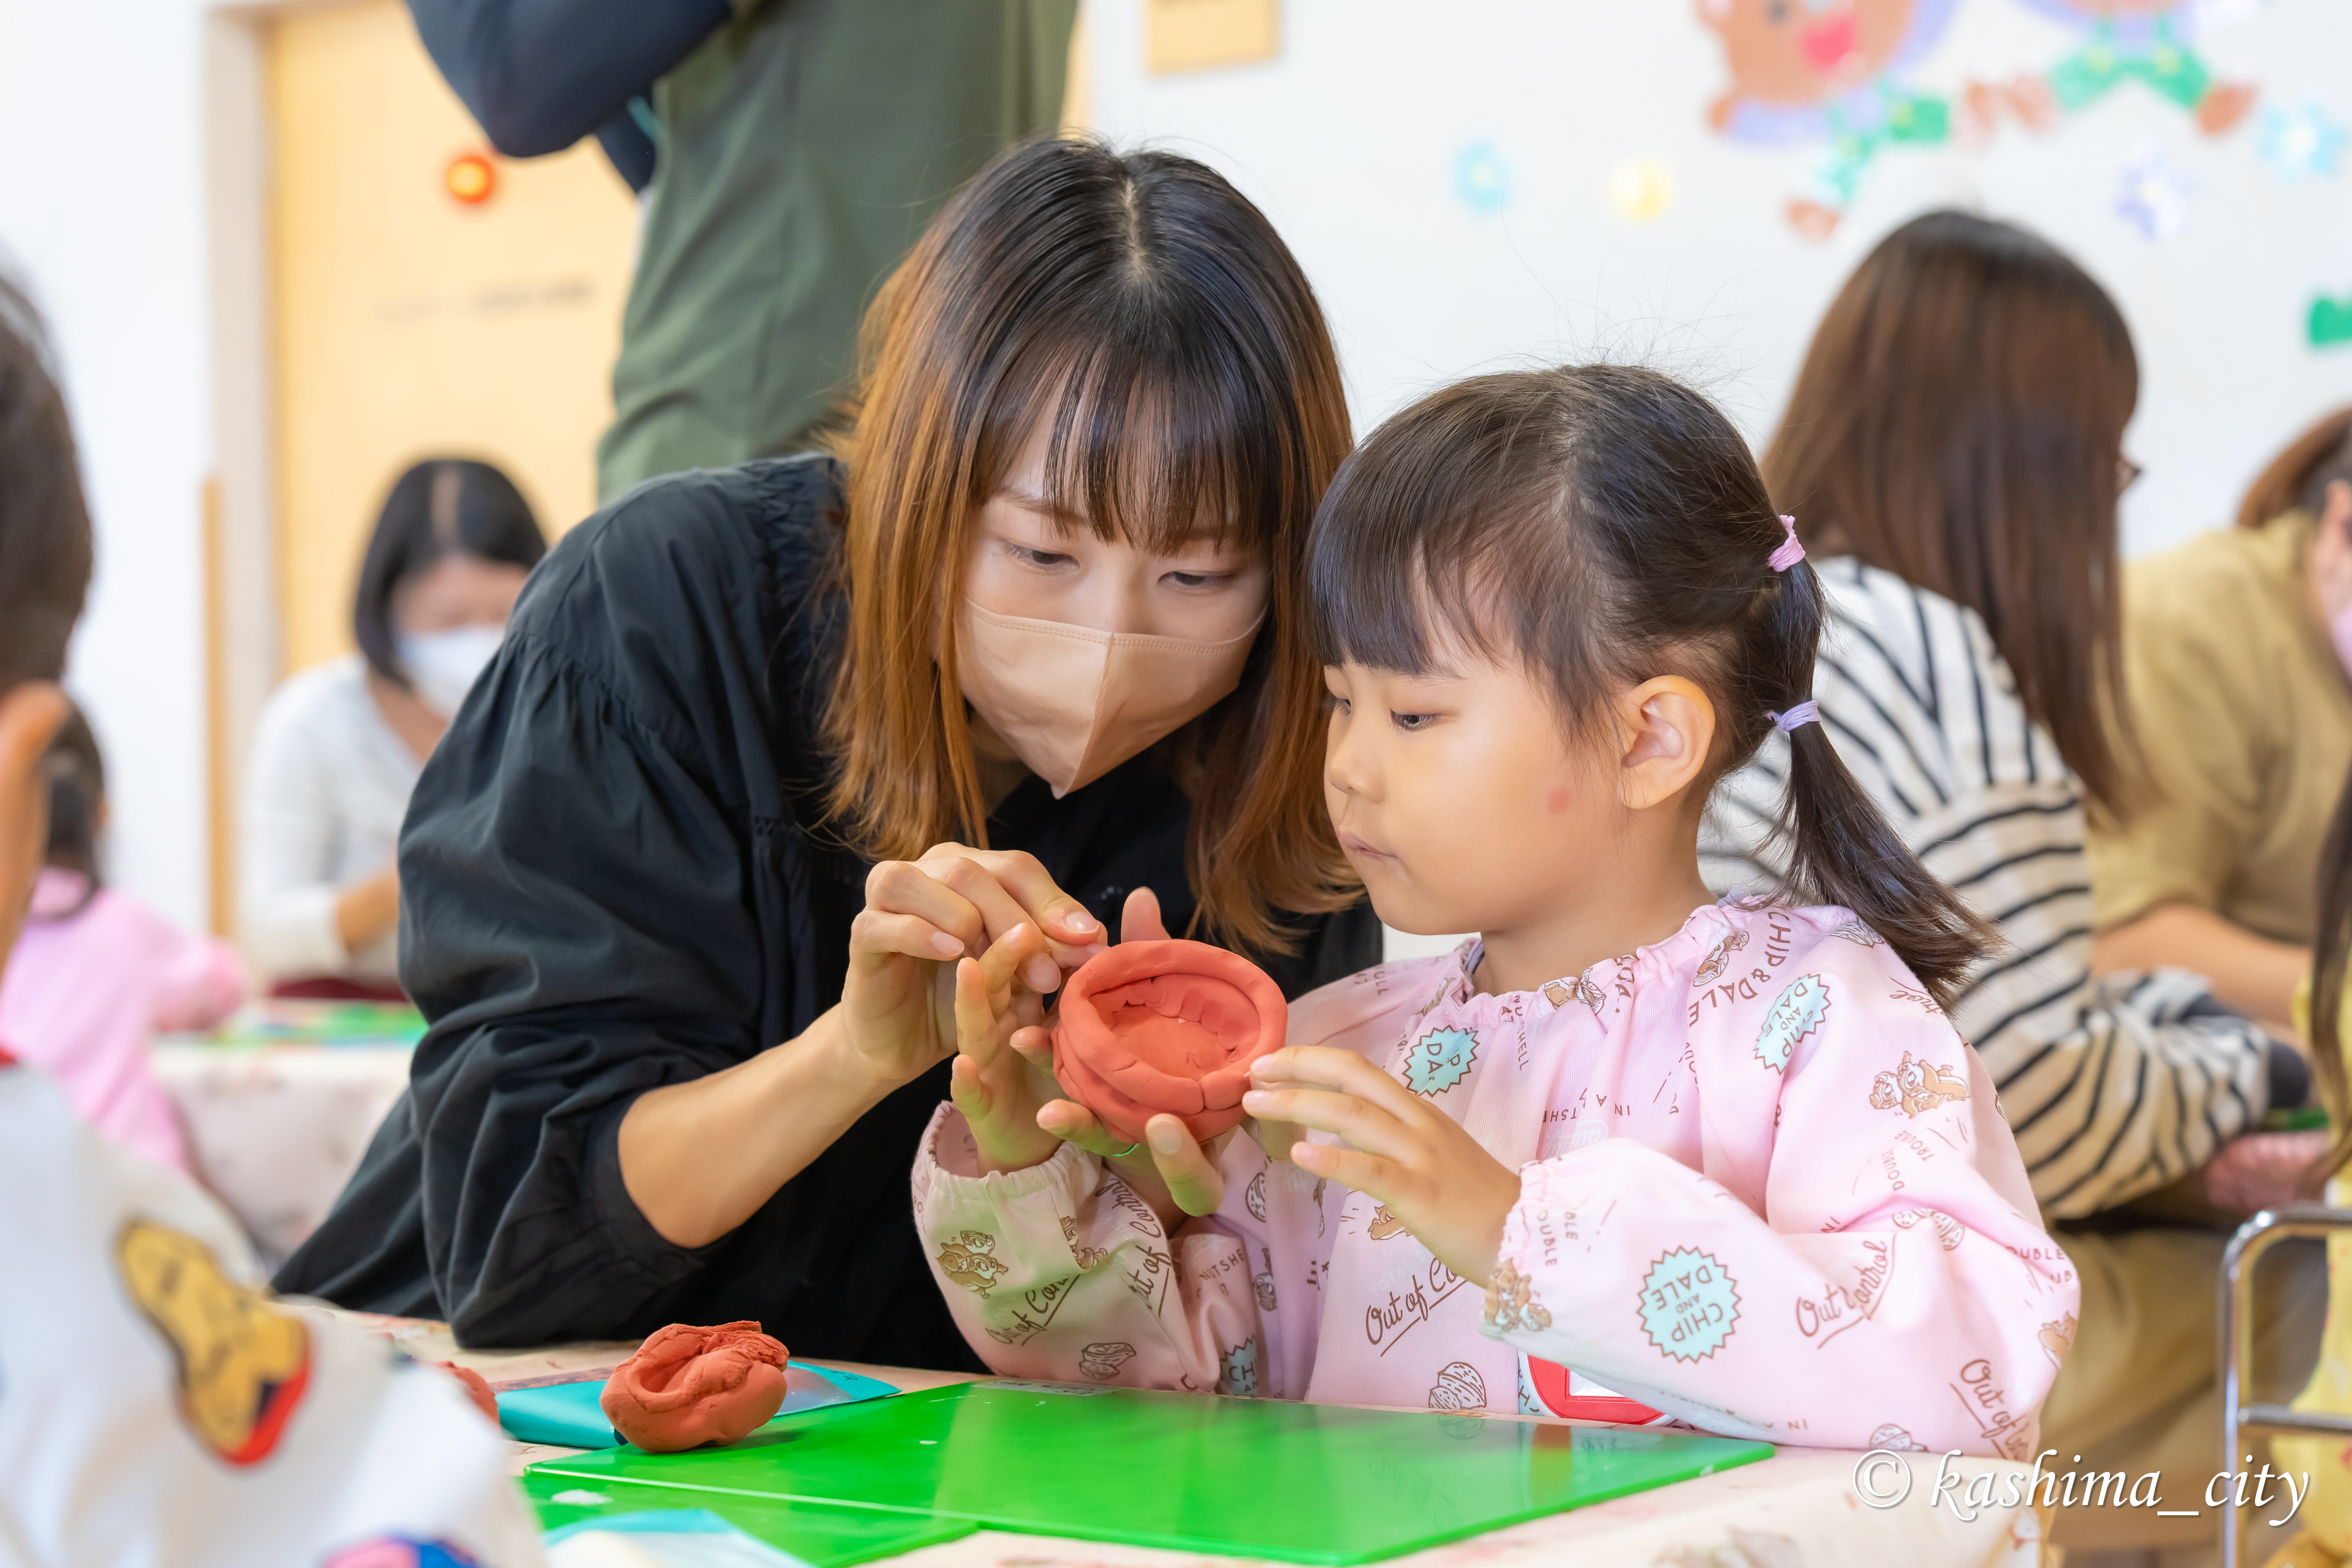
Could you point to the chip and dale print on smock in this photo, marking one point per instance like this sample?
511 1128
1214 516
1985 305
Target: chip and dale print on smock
1765 1189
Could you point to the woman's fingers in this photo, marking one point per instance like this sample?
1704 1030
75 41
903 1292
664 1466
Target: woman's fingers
876 934
1191 1175
1009 886
1139 919
902 888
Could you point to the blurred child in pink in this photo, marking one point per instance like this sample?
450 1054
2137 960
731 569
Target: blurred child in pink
96 971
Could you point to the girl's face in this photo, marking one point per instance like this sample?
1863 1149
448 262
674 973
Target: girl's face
458 590
1457 797
1030 561
1465 805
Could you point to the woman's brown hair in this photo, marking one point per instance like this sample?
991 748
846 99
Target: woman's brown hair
1145 307
1959 421
2331 951
2298 477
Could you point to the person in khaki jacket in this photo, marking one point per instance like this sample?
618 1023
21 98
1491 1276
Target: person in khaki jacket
2239 690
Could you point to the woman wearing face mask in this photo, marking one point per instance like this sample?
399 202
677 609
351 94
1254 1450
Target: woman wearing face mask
768 747
339 746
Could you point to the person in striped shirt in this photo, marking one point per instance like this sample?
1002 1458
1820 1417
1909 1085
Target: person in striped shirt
1954 445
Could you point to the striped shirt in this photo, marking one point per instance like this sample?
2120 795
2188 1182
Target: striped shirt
2113 1086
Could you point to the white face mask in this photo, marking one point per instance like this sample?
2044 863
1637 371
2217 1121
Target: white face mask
1074 702
443 666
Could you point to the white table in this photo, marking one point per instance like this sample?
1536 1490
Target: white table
276 1130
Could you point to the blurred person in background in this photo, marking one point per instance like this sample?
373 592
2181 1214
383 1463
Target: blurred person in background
787 154
97 970
2237 645
1955 445
339 746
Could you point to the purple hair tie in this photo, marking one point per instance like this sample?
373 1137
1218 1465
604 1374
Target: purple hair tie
1804 713
1790 552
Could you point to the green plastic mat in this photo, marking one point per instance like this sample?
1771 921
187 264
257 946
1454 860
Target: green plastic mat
1255 1477
821 1533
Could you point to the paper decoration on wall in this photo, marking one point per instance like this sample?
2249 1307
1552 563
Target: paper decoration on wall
1482 177
1194 35
2146 41
1642 189
1832 73
2296 143
2331 321
2154 195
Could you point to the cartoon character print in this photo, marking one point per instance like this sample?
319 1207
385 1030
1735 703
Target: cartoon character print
1718 959
1561 993
968 1257
1511 1307
243 1364
1830 72
1440 1059
1916 1086
1795 1016
401 1551
2146 41
1859 934
1254 1197
1458 1387
1949 1232
1261 1283
1237 1371
1102 1360
1084 1256
2057 1339
1895 1438
1384 1225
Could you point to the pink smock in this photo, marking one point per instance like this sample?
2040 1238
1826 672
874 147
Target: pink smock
1765 1190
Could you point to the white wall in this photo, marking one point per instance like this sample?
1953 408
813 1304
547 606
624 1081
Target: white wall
1348 140
102 211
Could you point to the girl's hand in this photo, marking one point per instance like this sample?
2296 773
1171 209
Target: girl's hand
1169 1170
898 1004
1405 1152
1000 1090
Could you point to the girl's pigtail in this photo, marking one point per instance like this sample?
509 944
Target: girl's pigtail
2330 953
1840 848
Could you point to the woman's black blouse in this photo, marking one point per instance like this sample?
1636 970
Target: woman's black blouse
610 881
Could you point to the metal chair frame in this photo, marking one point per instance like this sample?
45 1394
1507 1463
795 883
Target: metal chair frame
2256 1236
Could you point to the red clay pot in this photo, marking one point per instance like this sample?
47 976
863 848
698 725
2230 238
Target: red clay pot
1154 1026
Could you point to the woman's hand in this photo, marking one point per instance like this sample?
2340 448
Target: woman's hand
998 1089
1405 1152
898 1004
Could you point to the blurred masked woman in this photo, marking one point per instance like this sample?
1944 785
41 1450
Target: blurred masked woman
340 745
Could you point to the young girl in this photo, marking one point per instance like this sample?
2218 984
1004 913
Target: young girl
1630 1151
96 971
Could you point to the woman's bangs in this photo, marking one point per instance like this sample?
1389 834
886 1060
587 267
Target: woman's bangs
1164 448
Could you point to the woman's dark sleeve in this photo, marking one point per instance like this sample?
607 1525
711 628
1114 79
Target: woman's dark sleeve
541 74
576 925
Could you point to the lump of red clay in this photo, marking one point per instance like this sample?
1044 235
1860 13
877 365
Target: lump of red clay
1153 1027
478 1388
686 1386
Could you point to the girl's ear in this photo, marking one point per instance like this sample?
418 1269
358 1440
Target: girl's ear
1669 728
